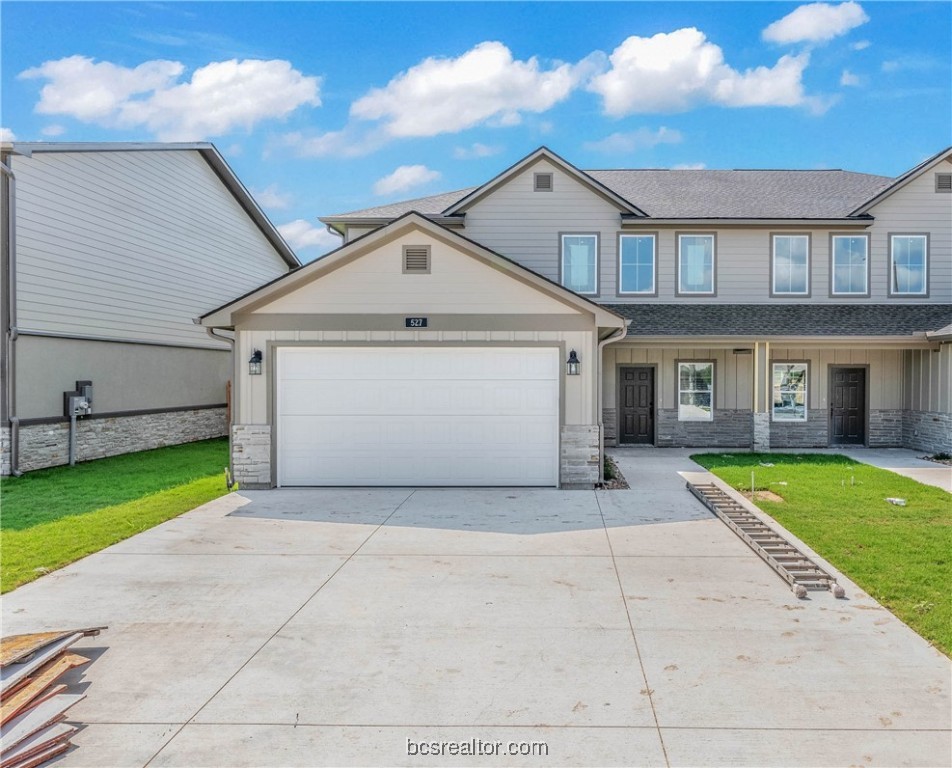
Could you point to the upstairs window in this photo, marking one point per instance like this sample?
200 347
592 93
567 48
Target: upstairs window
908 257
850 265
791 265
696 264
790 392
636 264
695 391
579 262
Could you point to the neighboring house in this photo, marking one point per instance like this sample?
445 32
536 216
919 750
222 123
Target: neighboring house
109 251
717 309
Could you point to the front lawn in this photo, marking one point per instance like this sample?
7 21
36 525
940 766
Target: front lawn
51 517
902 556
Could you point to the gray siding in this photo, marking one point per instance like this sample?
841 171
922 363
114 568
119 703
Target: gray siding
928 379
131 245
126 377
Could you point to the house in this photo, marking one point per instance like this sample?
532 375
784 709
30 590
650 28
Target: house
109 251
504 334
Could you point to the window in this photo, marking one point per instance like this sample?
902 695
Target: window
696 264
695 391
416 259
790 392
636 264
791 265
542 182
908 256
850 265
580 263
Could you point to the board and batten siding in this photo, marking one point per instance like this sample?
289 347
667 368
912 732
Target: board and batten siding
928 379
131 245
524 225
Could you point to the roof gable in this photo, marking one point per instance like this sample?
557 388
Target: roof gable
270 297
543 153
901 181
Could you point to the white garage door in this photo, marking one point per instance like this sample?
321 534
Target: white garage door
417 416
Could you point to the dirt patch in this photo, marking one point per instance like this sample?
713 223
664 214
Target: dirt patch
763 496
939 459
614 479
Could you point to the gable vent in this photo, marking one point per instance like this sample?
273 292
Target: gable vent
543 182
416 259
943 182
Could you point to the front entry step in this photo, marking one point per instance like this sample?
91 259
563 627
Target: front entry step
799 571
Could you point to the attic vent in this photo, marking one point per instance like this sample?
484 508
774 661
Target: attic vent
416 259
943 182
543 182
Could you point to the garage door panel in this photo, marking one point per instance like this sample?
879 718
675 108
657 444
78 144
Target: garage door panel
404 416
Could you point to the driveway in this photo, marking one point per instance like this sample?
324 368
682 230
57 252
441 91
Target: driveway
347 627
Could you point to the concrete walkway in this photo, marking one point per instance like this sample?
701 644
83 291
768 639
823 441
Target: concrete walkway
310 627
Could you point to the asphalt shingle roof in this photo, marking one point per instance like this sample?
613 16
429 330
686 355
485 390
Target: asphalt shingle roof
782 319
690 194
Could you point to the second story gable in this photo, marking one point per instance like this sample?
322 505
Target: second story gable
742 236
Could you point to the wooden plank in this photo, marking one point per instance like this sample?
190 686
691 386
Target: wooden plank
13 704
10 676
38 742
39 698
41 757
39 717
17 647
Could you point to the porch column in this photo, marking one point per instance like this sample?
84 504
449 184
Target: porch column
762 396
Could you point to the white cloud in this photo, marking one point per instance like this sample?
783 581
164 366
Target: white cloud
7 135
53 130
301 234
220 97
271 197
441 95
676 71
403 178
816 23
860 45
476 150
347 142
643 138
849 79
689 167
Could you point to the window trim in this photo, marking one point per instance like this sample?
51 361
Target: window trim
677 387
774 293
806 394
924 294
677 282
654 235
869 258
598 259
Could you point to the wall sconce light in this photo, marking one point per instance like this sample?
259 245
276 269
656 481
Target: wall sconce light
572 365
254 363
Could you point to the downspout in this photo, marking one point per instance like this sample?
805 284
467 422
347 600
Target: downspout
12 331
231 343
616 336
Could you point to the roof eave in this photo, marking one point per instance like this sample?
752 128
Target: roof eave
913 173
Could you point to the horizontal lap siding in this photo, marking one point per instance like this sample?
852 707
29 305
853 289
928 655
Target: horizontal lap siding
131 245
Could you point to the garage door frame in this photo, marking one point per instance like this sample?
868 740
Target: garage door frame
273 348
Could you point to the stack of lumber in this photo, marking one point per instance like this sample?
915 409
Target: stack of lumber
33 703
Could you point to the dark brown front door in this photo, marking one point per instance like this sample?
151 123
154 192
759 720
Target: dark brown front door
636 420
848 406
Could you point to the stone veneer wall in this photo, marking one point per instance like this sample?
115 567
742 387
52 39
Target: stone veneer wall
578 466
927 431
610 425
729 429
5 456
885 428
812 433
47 445
251 455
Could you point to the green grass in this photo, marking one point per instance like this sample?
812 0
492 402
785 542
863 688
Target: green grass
52 517
902 556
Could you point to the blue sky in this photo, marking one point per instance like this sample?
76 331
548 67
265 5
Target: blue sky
328 107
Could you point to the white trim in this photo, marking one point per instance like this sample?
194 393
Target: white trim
806 390
710 414
713 290
893 288
866 287
654 264
773 263
562 270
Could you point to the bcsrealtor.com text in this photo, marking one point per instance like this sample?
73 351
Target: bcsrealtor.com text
478 747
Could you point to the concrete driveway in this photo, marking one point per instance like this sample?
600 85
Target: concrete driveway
350 627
